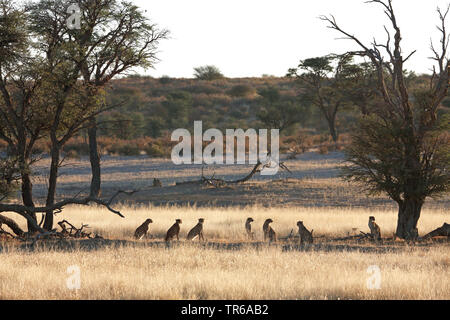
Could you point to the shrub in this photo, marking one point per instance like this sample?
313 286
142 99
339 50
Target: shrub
241 90
76 147
165 80
208 73
323 149
155 150
72 154
126 149
202 88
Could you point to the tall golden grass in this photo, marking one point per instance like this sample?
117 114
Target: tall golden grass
192 272
228 223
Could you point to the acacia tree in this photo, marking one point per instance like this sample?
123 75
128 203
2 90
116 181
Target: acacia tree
322 81
402 147
278 112
208 73
45 90
360 88
114 36
23 120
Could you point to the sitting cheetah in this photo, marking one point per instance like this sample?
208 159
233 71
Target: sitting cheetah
268 231
142 230
305 235
248 228
174 231
375 231
197 231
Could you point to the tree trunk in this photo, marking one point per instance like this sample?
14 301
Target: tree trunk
55 153
94 159
408 216
27 198
333 131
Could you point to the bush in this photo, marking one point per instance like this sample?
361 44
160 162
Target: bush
208 73
72 154
202 88
155 150
323 149
241 90
76 147
165 80
41 147
9 177
126 149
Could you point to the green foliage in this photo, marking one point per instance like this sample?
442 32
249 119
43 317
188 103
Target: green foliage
208 73
120 125
73 150
383 149
279 112
154 127
9 177
125 150
14 36
155 150
179 103
241 90
178 106
165 80
270 94
330 84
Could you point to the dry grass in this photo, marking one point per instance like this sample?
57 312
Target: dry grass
313 194
228 223
190 272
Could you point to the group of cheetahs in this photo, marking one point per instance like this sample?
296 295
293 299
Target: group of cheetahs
269 234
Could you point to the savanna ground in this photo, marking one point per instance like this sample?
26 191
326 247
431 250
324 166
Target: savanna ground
227 266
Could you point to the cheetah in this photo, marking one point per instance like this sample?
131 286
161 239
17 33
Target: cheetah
375 231
142 230
197 231
268 231
174 231
305 235
248 228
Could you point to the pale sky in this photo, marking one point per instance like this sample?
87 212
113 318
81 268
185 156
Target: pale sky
249 38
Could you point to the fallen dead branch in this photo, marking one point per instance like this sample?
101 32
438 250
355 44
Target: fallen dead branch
218 183
25 211
69 230
358 237
12 225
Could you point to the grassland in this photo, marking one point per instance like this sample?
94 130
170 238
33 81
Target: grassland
138 270
124 268
191 273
